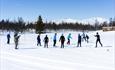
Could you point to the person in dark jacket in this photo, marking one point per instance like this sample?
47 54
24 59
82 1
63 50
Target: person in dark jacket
87 38
54 39
62 39
8 38
46 40
79 40
38 40
98 39
16 40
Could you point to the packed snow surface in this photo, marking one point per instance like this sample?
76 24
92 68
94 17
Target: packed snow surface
29 56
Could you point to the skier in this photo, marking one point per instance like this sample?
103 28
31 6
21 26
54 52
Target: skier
46 40
69 37
38 40
84 37
98 39
8 38
87 38
62 39
79 40
16 39
54 39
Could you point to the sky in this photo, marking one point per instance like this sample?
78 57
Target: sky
29 10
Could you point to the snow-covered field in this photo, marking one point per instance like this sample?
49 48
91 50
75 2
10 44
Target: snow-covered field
29 56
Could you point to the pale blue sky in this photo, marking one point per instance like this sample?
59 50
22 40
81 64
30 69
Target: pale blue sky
56 9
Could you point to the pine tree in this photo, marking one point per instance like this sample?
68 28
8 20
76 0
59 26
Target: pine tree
39 25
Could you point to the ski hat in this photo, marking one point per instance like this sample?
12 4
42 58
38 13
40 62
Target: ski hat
97 33
69 33
46 35
79 34
55 33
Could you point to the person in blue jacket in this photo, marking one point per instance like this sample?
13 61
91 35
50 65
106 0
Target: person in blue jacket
84 36
8 38
69 37
79 40
55 39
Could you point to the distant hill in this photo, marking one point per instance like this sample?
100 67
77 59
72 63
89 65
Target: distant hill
83 21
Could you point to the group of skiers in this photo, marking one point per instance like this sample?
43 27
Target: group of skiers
46 40
83 37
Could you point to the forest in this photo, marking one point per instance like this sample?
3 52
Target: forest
39 26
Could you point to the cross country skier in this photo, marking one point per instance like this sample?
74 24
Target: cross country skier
38 40
54 39
87 38
8 38
69 37
84 37
98 39
62 39
79 41
16 39
46 40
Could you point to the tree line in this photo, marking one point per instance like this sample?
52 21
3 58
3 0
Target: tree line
39 26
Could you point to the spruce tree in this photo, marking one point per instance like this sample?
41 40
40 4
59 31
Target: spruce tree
39 25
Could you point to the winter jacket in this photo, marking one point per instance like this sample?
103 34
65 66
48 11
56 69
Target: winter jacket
69 36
